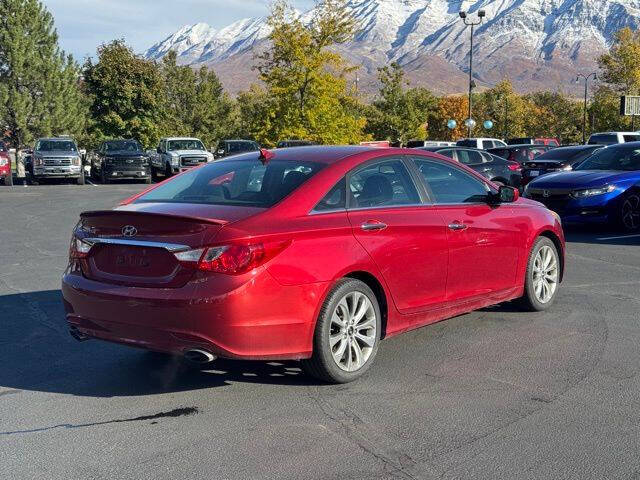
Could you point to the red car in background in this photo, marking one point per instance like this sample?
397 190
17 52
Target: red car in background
311 253
5 165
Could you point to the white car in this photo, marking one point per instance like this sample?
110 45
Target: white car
481 143
177 154
613 138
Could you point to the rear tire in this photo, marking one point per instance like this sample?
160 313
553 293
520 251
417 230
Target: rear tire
347 333
103 178
542 276
628 218
168 173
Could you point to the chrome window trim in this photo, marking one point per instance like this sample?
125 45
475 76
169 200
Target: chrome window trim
172 247
321 212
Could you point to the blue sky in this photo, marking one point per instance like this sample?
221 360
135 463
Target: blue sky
84 24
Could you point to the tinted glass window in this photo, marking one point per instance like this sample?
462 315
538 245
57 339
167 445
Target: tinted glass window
382 184
336 199
501 152
239 182
467 143
451 185
603 139
122 145
239 147
518 141
415 143
52 145
446 153
565 153
469 157
487 144
187 144
613 158
631 138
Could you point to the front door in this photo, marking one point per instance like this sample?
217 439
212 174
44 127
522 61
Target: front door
406 239
483 242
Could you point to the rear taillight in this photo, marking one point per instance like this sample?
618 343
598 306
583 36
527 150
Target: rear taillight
78 249
231 259
514 166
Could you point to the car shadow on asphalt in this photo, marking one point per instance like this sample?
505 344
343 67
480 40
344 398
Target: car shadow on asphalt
599 235
38 354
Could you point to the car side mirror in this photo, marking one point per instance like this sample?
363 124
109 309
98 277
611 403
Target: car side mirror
158 150
221 151
507 194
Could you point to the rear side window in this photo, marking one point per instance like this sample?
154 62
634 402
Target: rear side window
449 184
336 199
469 157
631 138
603 139
486 144
382 184
467 143
235 182
501 152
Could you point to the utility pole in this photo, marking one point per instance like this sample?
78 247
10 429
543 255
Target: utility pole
586 91
472 24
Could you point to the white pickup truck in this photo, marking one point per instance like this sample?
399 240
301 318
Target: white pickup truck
177 154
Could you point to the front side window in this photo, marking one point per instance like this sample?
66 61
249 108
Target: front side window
239 182
383 184
449 184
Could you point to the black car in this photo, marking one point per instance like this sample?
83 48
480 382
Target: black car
235 147
294 143
496 169
120 159
520 153
558 159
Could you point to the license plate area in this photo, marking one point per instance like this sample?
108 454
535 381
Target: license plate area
134 261
534 173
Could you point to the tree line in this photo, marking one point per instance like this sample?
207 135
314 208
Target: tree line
306 91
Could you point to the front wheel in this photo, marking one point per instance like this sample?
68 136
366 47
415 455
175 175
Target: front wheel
629 214
347 333
542 277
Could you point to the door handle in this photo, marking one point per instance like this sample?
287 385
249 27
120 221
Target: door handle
373 226
488 169
458 226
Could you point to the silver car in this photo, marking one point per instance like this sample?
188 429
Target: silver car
56 158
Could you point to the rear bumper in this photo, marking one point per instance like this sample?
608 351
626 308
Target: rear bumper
254 318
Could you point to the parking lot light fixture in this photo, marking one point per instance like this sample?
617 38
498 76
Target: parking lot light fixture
471 23
586 89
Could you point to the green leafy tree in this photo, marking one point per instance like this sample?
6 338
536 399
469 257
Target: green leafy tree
195 103
399 115
39 84
126 94
621 65
555 115
604 111
305 79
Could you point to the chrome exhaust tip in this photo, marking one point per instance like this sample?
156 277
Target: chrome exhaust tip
198 356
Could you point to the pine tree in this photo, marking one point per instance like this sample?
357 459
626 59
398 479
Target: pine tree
39 84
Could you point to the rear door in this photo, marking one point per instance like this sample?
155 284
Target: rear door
483 242
406 238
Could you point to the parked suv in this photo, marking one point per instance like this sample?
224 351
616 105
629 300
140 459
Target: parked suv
120 159
234 147
5 165
56 158
481 143
613 138
175 155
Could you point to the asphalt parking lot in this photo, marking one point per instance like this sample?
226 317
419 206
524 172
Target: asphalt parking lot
494 394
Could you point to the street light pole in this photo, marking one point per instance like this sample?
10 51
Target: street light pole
586 91
472 24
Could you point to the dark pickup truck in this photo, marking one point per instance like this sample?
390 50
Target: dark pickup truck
119 160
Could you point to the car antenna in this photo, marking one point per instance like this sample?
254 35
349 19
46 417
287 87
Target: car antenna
265 156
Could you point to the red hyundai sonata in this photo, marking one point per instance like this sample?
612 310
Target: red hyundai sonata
311 253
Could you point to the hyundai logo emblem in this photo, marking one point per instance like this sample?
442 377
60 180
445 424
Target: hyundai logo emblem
129 231
546 193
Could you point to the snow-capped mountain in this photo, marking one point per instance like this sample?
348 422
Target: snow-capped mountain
536 43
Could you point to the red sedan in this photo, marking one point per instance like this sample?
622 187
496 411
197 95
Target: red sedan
312 253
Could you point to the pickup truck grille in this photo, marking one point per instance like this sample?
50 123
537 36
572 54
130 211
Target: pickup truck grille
128 161
192 161
54 162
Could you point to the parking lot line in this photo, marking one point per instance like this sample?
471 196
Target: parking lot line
619 237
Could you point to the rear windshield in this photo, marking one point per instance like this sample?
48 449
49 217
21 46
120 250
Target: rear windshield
467 143
120 145
235 182
53 145
603 139
518 141
560 154
415 143
239 147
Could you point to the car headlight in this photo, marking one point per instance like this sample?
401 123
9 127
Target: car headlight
38 162
175 159
590 192
566 168
75 161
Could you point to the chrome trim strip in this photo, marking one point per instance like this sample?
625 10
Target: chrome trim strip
172 247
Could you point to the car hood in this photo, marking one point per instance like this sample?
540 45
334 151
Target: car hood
189 152
124 153
57 153
583 178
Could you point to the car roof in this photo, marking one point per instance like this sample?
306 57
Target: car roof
522 145
57 138
181 138
615 133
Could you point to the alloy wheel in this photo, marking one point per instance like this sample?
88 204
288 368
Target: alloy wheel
545 274
352 334
631 212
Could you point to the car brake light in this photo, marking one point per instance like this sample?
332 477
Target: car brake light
231 259
514 167
79 249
